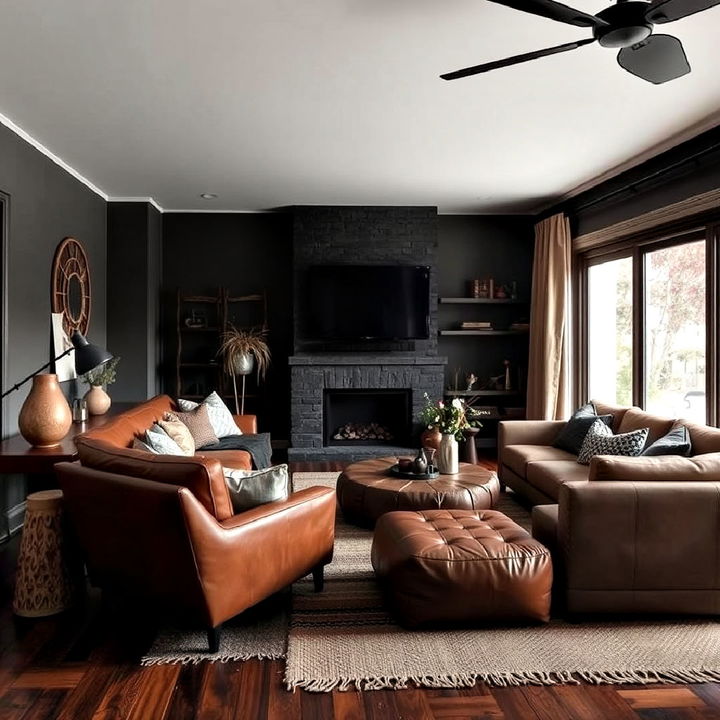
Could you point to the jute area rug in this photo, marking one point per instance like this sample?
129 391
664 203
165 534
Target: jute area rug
344 638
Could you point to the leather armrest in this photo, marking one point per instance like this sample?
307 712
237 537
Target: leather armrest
254 554
665 468
528 432
247 423
639 536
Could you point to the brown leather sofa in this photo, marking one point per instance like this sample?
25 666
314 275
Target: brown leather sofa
628 535
161 528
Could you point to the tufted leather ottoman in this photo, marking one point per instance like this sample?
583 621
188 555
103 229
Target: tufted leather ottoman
461 566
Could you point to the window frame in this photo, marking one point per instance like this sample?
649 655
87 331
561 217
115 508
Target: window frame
637 247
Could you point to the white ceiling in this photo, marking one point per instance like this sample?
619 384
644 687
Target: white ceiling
279 102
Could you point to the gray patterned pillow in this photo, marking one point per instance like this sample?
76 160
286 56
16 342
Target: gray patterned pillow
601 441
250 488
161 443
221 418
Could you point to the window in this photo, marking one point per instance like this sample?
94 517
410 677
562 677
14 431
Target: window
674 343
609 341
648 333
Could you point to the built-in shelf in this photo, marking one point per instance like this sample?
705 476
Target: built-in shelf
480 301
480 393
198 365
483 332
199 330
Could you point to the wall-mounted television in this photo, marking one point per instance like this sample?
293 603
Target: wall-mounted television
367 302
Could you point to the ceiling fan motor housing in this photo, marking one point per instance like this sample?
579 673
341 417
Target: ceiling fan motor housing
626 26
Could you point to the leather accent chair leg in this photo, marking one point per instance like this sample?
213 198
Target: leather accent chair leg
213 636
318 574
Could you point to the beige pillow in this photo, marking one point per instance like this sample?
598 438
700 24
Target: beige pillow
198 423
178 431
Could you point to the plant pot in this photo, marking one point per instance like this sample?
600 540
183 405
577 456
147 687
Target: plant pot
244 364
98 401
431 438
45 416
447 459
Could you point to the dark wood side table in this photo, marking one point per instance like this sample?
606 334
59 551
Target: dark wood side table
17 456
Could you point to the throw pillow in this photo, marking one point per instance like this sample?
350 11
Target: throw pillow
162 443
220 416
138 444
250 488
572 435
601 441
198 423
178 431
676 442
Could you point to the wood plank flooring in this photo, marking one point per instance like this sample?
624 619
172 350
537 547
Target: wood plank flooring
82 665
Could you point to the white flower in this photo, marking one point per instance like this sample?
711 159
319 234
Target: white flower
457 403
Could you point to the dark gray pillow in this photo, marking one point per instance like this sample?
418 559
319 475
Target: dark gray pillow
571 437
676 442
250 488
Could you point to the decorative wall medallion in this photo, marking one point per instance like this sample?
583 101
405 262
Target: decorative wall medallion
70 289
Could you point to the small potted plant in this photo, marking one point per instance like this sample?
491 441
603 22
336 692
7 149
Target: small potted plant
243 351
98 401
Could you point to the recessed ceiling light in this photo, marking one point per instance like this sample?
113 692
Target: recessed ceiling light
208 196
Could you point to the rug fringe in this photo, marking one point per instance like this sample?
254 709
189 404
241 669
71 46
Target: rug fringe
596 677
195 658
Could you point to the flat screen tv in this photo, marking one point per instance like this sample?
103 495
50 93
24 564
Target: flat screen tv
367 302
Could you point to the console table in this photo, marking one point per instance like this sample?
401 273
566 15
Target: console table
17 456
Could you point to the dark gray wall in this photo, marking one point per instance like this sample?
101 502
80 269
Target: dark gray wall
45 205
476 246
244 253
134 258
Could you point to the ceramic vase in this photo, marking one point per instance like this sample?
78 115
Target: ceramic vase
98 401
431 437
447 459
45 416
244 364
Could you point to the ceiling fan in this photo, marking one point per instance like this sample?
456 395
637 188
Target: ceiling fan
627 25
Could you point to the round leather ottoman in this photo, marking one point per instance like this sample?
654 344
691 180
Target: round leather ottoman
461 567
366 490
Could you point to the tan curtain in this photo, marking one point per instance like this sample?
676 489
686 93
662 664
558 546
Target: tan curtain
549 362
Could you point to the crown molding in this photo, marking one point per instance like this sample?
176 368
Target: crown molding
10 125
149 200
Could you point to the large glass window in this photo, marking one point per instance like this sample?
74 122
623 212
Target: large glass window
610 331
674 342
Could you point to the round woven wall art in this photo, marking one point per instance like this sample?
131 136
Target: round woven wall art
70 286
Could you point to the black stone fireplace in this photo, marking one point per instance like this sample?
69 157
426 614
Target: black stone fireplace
367 417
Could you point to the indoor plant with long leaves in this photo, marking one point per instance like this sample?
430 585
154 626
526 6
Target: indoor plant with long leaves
242 351
98 401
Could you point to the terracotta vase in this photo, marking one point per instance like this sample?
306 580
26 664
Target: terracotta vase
447 460
431 438
45 416
98 401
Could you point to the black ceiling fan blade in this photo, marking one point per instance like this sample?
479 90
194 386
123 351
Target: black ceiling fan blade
555 11
515 59
658 59
664 11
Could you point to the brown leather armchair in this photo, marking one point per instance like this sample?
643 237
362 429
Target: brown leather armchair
168 539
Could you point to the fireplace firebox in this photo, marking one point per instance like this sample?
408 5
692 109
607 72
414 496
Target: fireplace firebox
367 417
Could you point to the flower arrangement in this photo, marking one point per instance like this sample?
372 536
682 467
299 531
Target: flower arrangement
452 418
102 374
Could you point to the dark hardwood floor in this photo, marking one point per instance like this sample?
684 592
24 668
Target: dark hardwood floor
83 664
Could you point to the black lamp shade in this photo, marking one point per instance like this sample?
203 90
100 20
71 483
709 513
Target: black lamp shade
87 355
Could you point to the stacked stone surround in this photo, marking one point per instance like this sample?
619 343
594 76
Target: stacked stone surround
348 235
311 375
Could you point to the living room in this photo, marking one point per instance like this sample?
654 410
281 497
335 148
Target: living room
261 152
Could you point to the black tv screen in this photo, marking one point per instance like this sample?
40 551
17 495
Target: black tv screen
368 302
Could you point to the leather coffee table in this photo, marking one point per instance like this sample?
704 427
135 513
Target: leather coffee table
366 490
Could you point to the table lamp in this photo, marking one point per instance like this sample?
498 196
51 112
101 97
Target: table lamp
45 416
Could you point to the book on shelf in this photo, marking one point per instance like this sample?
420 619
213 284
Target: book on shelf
473 325
520 326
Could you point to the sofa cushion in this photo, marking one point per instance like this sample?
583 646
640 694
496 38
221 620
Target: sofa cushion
667 468
636 419
549 475
571 437
705 439
202 476
617 411
676 442
601 441
516 457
